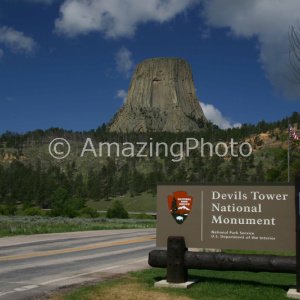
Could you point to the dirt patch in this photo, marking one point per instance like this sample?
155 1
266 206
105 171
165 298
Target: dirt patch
124 291
64 290
131 291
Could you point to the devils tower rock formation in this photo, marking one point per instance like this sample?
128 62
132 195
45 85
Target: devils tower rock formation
161 97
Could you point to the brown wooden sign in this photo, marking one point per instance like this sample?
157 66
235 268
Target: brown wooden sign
228 216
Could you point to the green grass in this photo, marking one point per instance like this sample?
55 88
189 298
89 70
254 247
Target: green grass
144 202
260 252
26 225
227 285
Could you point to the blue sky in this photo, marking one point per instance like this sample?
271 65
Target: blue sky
68 63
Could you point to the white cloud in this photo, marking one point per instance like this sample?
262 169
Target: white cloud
124 61
115 18
16 41
122 94
215 116
269 21
237 125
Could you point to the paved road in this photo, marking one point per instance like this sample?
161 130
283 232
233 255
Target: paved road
31 266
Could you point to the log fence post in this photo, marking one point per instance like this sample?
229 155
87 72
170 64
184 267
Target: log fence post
176 270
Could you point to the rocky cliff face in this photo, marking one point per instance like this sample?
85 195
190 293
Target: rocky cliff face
161 97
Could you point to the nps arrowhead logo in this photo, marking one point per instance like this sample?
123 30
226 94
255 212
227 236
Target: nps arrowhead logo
180 205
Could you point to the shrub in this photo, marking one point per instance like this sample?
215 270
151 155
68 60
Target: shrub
32 211
26 204
88 212
64 206
76 203
117 211
144 216
69 212
8 210
63 212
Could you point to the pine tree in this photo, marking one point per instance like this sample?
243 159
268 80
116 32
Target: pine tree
174 205
260 173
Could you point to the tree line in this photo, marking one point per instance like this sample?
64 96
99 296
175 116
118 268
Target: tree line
65 189
211 133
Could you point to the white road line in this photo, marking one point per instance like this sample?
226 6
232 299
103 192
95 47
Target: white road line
25 288
21 289
78 275
83 274
69 259
10 292
28 287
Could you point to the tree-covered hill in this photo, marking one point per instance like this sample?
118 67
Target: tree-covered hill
30 176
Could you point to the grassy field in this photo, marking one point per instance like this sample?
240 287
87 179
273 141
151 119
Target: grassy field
143 203
26 225
226 285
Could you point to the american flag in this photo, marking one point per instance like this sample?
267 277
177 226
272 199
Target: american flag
293 133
